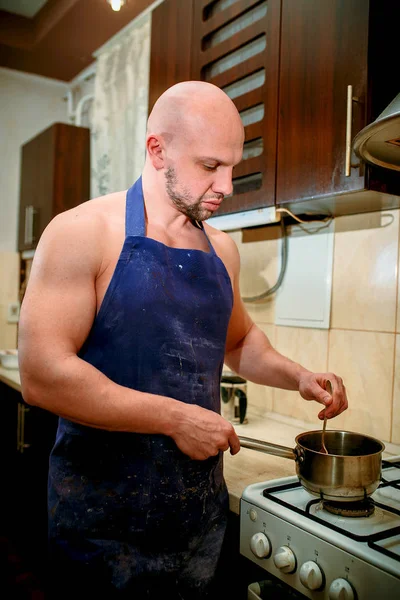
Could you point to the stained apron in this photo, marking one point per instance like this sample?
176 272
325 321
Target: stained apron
130 513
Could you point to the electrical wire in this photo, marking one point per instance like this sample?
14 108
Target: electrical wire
284 252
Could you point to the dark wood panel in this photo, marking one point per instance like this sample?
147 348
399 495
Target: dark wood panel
239 39
248 67
55 176
251 99
36 184
267 94
323 50
171 37
71 167
225 16
253 131
249 166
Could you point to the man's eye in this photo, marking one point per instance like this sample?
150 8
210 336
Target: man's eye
210 168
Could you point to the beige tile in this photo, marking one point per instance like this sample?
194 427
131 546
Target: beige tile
258 273
8 331
364 360
260 397
396 396
9 289
398 291
309 347
365 272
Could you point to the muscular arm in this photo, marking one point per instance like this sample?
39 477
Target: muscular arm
250 353
56 316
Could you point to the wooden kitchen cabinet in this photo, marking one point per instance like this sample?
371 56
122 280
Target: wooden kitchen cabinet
291 62
325 48
236 47
28 434
171 39
55 176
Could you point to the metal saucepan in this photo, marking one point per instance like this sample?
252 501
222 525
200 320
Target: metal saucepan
349 473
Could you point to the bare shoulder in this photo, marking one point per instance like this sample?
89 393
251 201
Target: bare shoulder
226 249
82 233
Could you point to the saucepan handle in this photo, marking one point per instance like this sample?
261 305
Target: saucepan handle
267 447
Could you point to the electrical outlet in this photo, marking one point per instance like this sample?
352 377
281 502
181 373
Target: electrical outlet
13 312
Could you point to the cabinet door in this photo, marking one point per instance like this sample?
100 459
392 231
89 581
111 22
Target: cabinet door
71 180
171 38
28 434
323 51
36 432
36 191
236 47
55 176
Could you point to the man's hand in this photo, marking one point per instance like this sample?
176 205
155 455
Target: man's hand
201 433
312 386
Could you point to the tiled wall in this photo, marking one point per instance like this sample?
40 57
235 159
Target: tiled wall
9 291
363 342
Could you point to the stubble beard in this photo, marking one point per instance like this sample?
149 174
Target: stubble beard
183 200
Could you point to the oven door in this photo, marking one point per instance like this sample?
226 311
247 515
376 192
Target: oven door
272 589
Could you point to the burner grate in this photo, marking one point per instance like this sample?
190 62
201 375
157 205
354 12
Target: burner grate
365 508
370 539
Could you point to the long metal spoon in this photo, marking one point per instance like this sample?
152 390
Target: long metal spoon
324 449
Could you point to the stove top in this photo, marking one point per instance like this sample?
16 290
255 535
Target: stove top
294 522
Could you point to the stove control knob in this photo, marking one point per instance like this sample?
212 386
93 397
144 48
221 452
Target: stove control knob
253 514
311 575
260 545
285 559
341 590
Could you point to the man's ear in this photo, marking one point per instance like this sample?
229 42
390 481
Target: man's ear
155 149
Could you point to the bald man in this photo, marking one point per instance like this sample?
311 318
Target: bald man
132 307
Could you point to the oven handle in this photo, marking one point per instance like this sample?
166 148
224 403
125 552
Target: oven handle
268 448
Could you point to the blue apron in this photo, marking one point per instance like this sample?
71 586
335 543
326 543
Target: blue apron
128 512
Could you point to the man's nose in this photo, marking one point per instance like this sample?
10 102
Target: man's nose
223 183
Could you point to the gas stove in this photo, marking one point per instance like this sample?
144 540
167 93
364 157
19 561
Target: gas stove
340 552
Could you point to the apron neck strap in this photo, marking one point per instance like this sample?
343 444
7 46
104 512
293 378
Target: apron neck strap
135 224
134 218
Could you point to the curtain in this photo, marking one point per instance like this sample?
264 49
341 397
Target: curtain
120 110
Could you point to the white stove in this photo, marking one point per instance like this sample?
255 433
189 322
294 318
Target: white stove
291 535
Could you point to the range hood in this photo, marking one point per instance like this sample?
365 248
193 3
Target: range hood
379 142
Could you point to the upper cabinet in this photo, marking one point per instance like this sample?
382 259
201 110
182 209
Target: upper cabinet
322 95
171 38
236 47
306 76
55 176
330 85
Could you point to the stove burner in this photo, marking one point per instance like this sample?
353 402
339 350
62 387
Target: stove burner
364 508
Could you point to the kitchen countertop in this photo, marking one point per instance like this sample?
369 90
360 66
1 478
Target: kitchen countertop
252 466
248 466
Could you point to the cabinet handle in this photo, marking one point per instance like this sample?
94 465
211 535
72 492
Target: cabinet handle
24 410
21 445
349 120
19 427
30 213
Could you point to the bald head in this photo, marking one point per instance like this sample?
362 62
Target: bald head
194 139
186 109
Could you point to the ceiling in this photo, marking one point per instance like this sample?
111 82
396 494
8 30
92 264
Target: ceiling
25 8
57 38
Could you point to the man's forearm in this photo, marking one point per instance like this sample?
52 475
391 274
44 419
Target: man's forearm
74 389
256 360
